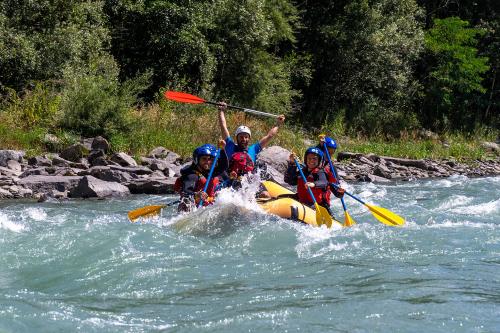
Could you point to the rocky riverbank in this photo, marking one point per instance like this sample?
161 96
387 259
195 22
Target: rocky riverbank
87 170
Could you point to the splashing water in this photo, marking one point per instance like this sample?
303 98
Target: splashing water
81 265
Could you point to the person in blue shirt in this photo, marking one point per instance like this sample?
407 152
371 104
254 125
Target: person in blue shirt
242 155
243 136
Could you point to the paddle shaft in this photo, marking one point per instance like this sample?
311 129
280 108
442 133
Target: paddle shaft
334 172
349 194
259 113
209 176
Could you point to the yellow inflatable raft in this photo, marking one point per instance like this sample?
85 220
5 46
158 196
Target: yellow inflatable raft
287 207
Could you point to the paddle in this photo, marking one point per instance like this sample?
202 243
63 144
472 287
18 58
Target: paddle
209 176
348 221
148 211
322 215
188 98
384 215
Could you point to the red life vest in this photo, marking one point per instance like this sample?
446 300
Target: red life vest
199 186
319 194
241 163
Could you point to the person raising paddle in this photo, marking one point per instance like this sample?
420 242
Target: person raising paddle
242 155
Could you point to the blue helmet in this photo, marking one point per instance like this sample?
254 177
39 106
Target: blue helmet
205 150
330 143
316 151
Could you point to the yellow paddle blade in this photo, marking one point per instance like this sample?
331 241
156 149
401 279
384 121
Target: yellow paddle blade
146 211
322 216
386 216
348 220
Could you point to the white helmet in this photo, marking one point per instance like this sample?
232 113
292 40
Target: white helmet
242 129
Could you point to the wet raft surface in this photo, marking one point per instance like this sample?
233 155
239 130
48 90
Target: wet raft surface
81 265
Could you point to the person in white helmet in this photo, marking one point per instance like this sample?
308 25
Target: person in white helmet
243 135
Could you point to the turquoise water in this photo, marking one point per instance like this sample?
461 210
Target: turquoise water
81 266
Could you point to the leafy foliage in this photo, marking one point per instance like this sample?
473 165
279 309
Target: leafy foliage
455 80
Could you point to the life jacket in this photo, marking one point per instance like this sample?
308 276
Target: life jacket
241 163
321 195
200 186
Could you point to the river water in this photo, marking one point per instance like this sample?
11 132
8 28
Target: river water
81 266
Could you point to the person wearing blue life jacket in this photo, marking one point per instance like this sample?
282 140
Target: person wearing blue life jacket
242 156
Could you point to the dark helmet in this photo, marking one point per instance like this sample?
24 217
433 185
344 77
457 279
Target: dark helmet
330 143
205 150
316 151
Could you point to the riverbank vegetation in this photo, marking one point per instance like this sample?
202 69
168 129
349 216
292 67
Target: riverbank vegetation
373 74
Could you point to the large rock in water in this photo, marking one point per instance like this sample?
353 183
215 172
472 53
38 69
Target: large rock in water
275 156
91 187
7 155
39 183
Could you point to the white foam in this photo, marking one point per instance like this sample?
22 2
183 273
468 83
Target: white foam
454 201
480 209
6 224
36 214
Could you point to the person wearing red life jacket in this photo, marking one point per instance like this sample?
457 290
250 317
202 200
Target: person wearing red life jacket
193 177
316 178
325 143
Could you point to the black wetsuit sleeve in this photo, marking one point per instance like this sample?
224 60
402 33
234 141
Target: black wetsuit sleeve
291 174
322 181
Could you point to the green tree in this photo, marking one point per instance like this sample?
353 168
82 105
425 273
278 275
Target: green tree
455 79
39 39
363 56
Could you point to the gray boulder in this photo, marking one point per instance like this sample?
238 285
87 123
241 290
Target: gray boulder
152 186
107 174
138 170
421 164
91 187
7 155
124 160
382 171
5 194
39 161
74 152
164 154
100 143
40 183
9 172
275 156
35 171
372 178
344 155
59 161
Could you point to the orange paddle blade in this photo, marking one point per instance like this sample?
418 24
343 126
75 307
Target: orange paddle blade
183 97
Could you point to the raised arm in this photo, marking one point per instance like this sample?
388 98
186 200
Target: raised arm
222 120
272 132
